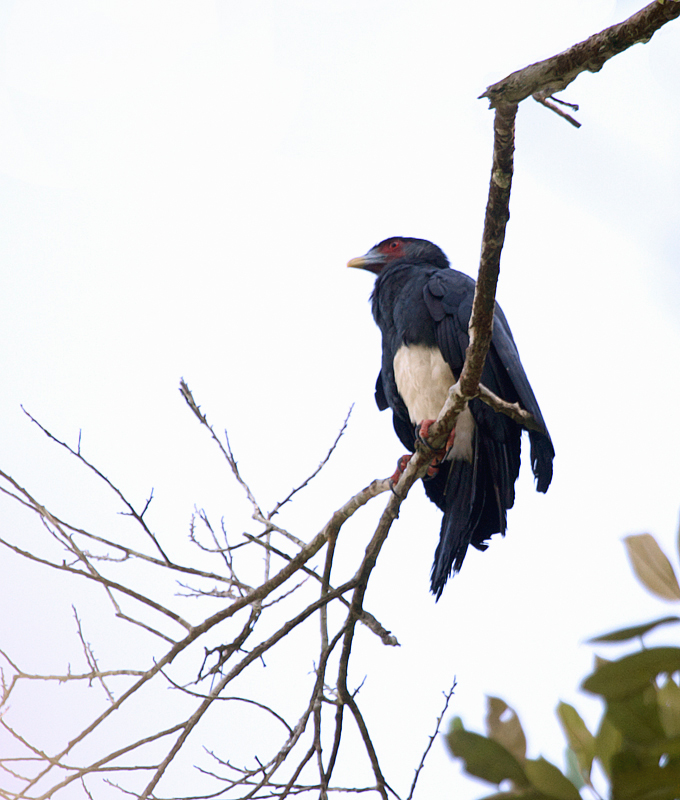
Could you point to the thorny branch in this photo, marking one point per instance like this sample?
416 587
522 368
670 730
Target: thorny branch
297 586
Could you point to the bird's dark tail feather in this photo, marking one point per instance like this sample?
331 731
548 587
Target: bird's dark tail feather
458 524
542 454
474 498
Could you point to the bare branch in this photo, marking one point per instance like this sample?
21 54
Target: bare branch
556 73
543 99
447 700
77 453
224 448
318 469
483 305
89 655
104 581
513 410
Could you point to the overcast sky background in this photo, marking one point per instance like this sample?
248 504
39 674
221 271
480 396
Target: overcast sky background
182 185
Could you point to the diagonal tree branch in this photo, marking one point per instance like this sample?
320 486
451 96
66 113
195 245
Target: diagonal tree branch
556 73
484 303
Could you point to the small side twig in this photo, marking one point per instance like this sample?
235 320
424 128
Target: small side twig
512 410
323 463
89 655
544 100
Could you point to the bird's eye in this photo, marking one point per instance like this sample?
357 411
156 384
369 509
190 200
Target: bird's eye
394 245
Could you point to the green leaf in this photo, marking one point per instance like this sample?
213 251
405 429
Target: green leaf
581 740
484 758
630 674
599 661
573 771
637 717
668 698
607 744
504 727
634 781
651 566
545 777
632 633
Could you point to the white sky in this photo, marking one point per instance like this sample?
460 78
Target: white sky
181 187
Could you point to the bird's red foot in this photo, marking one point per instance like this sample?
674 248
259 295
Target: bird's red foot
440 455
401 466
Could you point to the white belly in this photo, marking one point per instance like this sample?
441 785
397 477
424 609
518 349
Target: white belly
423 379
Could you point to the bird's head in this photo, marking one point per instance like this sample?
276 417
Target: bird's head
400 248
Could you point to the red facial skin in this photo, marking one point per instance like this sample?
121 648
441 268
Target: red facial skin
392 248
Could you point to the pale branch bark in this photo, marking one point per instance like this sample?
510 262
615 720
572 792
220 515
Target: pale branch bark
484 302
416 468
556 73
513 410
367 619
97 765
495 223
548 103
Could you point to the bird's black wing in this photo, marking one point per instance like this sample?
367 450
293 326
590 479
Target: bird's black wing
542 450
448 296
380 398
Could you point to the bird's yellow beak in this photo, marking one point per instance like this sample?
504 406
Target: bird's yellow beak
373 261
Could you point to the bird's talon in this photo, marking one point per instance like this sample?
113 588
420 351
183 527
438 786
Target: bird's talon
399 471
424 431
433 469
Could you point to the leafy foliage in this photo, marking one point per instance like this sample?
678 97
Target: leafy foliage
637 744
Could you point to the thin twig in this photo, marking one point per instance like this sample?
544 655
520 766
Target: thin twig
131 510
323 463
545 101
447 700
225 448
89 654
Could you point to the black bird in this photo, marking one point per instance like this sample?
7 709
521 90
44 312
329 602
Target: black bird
422 308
